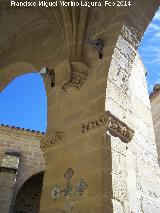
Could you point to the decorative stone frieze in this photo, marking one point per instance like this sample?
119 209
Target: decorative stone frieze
101 121
116 127
78 76
52 140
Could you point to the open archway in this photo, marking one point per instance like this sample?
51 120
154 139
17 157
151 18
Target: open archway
149 51
24 103
28 197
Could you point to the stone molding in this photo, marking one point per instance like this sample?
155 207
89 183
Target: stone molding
114 125
49 141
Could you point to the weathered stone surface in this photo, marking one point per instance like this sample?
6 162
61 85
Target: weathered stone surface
155 104
21 159
137 161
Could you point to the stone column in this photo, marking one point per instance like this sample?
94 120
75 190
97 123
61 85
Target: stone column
77 152
75 105
8 172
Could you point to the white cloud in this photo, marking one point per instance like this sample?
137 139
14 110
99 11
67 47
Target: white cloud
157 15
150 50
153 26
150 87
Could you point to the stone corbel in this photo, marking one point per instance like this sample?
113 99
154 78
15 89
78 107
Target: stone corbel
115 126
78 76
70 76
49 141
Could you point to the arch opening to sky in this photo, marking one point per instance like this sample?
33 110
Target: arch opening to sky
149 51
23 103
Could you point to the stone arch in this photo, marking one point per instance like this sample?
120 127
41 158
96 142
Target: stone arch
29 194
18 69
128 38
27 175
10 72
119 101
22 180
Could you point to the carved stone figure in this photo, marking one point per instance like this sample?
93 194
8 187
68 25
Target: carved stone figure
51 140
78 76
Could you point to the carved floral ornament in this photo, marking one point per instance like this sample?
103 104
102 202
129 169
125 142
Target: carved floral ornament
78 76
48 141
70 75
116 127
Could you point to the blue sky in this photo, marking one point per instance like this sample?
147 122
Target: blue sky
150 51
23 103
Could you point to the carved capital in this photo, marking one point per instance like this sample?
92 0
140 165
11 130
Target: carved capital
116 127
49 141
78 76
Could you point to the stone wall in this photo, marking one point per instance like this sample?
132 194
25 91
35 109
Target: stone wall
155 104
135 170
27 144
7 181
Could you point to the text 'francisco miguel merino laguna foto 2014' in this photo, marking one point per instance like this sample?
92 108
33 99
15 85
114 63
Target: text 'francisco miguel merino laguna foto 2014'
38 3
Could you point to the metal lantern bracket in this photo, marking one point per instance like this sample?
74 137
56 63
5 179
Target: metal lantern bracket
51 73
98 44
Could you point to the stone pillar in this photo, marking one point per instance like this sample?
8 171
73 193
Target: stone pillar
76 150
76 141
8 172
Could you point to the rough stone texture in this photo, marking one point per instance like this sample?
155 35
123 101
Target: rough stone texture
135 170
7 182
8 172
155 104
27 143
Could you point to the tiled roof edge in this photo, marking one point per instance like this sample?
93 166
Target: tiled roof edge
22 129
